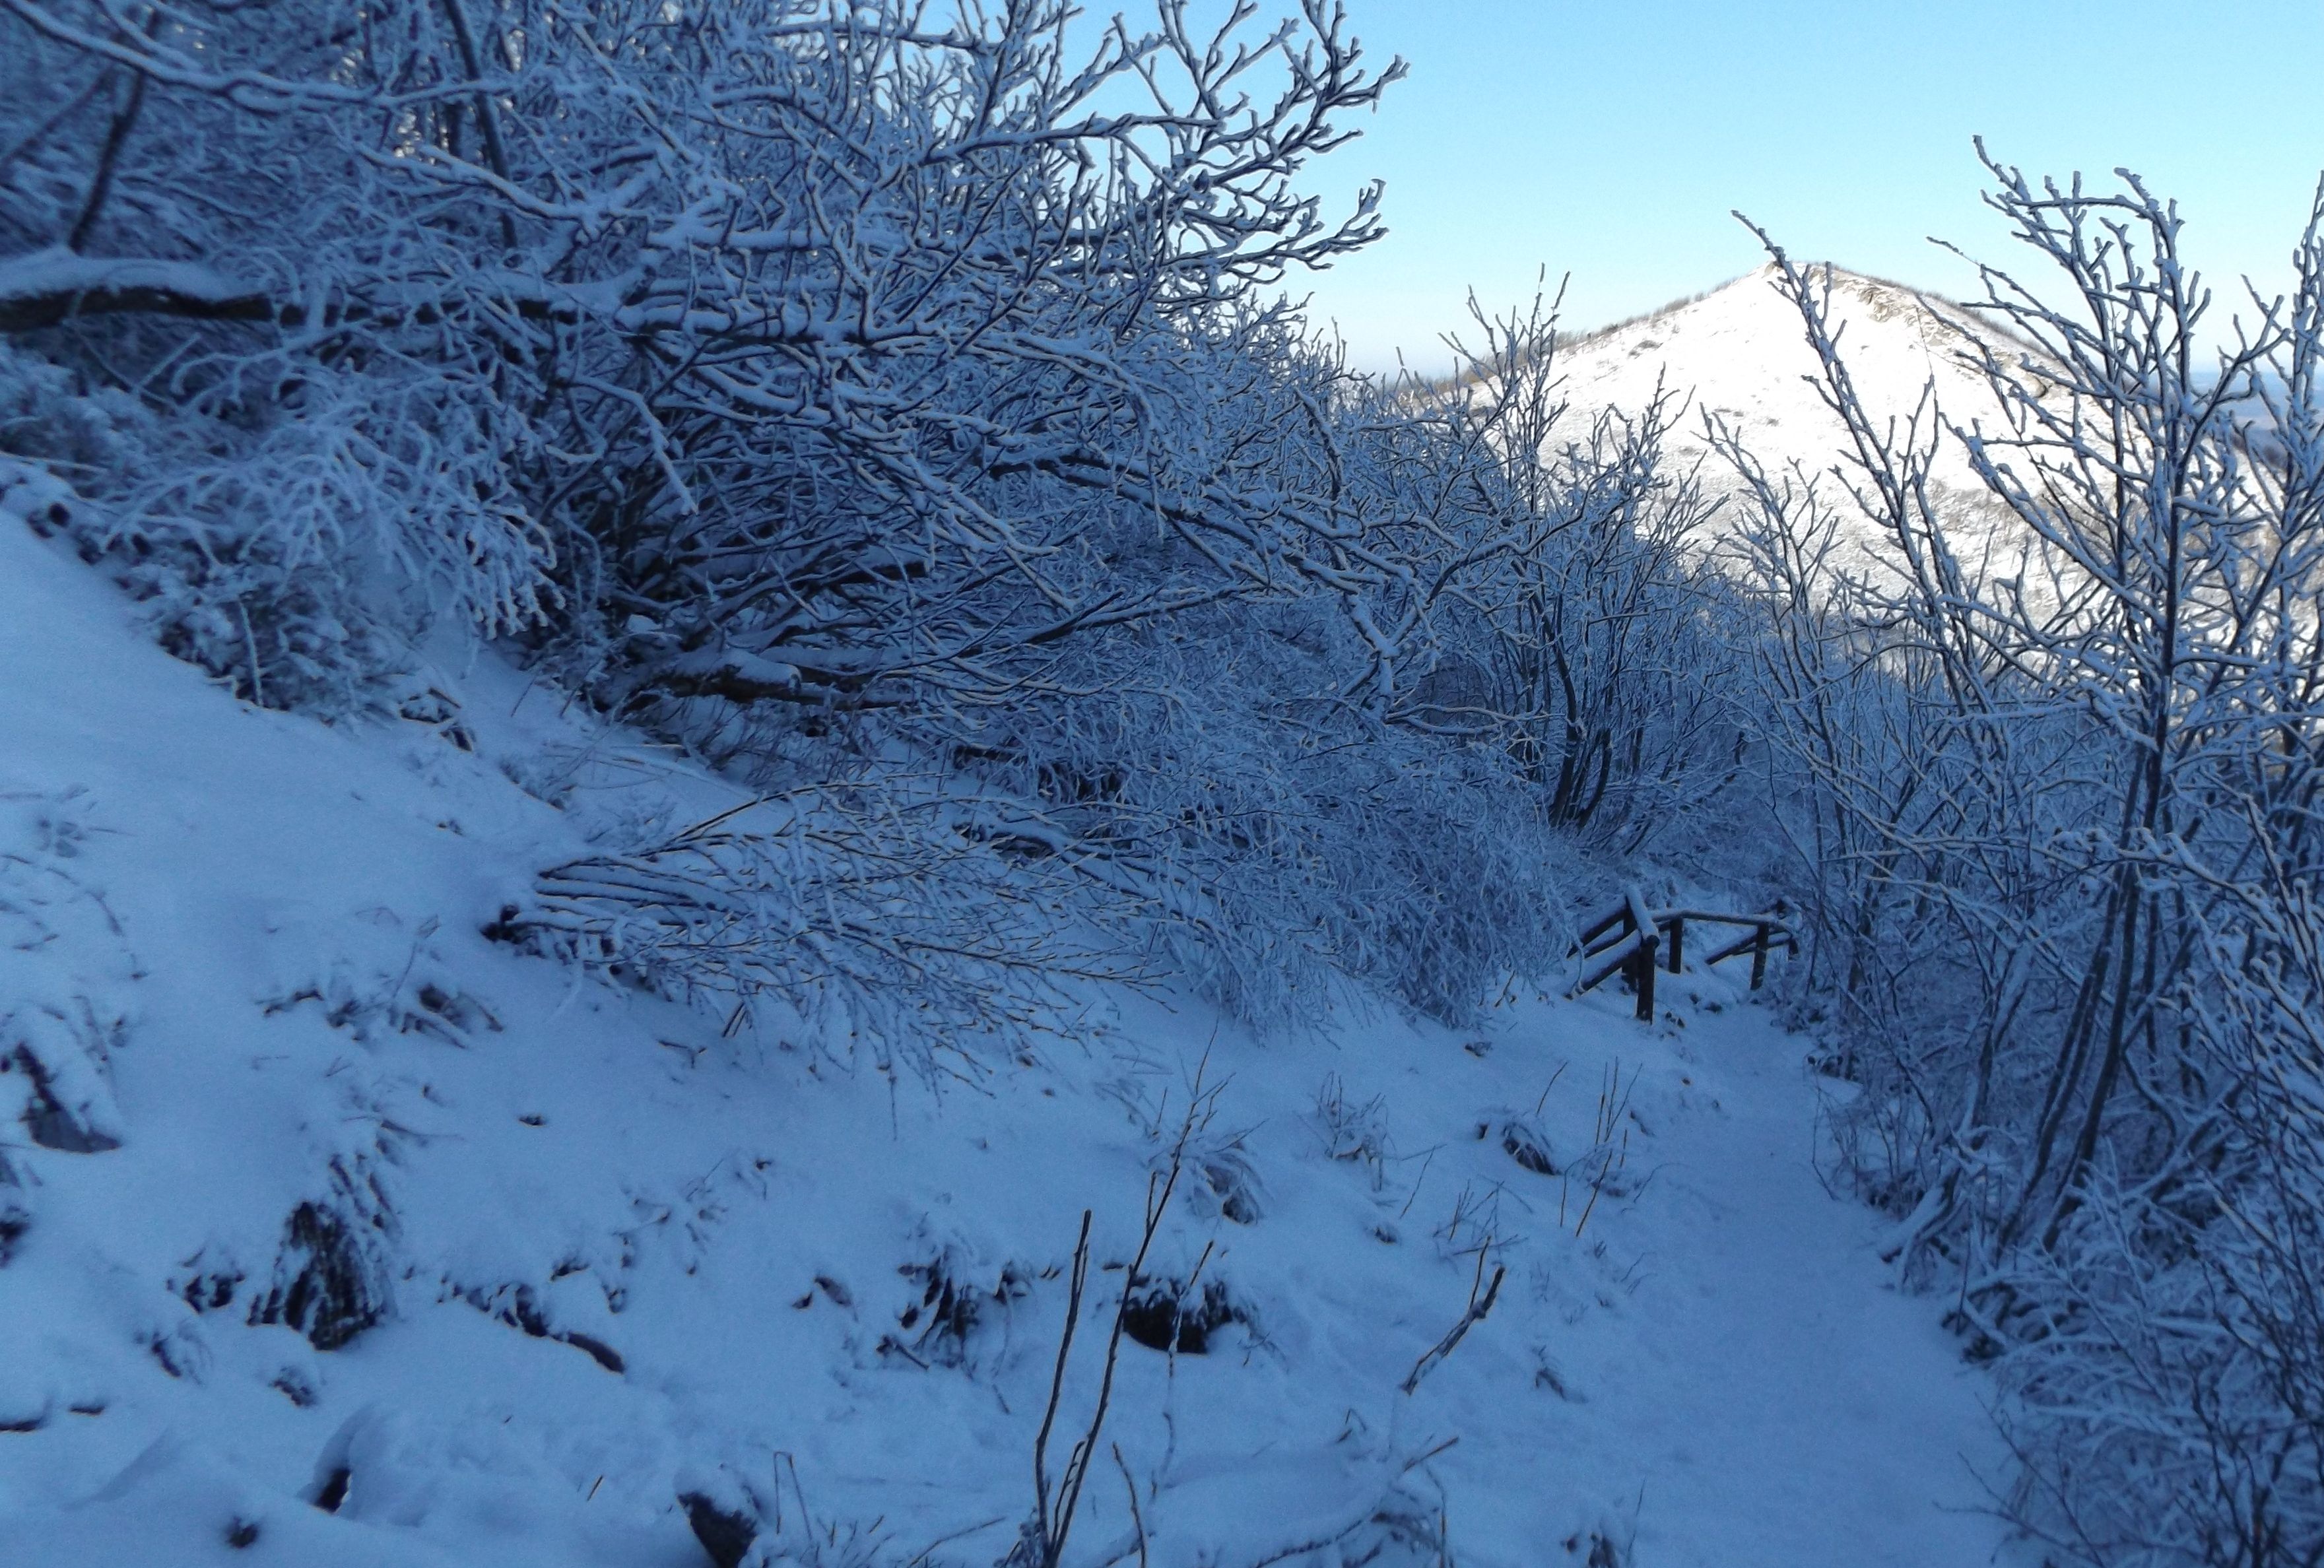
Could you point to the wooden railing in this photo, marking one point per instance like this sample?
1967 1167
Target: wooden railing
1635 939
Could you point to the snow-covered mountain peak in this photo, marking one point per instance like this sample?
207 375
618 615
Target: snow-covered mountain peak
1740 354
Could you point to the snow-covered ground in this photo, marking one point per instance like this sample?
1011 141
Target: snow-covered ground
617 1258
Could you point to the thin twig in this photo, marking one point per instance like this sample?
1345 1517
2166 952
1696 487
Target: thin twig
1137 1519
1057 1378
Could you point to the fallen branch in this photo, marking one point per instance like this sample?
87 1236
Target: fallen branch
1478 1308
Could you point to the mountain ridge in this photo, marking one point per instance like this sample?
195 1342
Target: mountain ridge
1738 354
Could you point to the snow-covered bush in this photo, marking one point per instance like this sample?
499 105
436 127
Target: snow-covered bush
1585 636
824 344
1283 834
848 391
930 925
65 973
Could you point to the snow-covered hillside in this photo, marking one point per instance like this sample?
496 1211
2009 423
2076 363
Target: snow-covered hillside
339 1232
1739 353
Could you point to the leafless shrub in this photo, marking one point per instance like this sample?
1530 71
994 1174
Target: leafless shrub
907 924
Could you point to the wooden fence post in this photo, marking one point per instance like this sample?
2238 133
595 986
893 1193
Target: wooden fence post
1637 930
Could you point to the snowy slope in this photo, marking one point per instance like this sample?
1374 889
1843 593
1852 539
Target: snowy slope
1740 353
616 1258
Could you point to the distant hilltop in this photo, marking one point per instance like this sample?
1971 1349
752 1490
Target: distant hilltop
1739 353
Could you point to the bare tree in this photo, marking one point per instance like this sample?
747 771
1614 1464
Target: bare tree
2062 807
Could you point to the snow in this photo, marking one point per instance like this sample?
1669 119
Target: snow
287 918
1740 353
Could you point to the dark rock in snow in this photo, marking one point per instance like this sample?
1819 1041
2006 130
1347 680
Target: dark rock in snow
334 1489
1161 1317
725 1534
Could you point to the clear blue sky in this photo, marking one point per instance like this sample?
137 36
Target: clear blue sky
1611 139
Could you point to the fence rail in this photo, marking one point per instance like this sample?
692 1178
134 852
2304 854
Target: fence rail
1637 940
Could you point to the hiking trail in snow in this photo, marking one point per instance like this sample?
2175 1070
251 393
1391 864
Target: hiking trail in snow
611 1256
